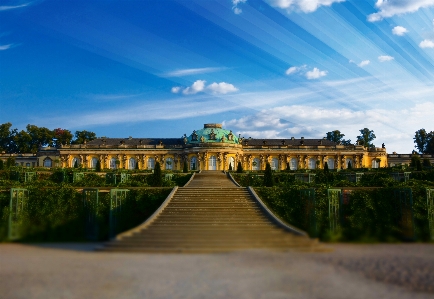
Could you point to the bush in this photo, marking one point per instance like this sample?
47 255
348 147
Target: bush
268 176
239 168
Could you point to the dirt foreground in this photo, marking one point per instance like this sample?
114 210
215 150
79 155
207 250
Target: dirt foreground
350 271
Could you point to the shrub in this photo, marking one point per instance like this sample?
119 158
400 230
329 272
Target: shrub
268 176
239 168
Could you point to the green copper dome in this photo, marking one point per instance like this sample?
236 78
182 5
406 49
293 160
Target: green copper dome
212 133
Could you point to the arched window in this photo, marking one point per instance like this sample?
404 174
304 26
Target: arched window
47 162
312 163
212 163
75 161
151 163
169 163
331 163
349 163
256 164
27 164
193 163
93 162
274 164
375 163
113 163
293 165
232 163
132 163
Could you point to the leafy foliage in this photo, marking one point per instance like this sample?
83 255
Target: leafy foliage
424 141
268 176
366 137
337 136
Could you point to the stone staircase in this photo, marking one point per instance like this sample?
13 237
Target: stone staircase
210 214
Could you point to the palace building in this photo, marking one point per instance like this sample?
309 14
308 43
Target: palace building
213 148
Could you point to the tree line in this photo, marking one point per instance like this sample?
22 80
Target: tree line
13 141
365 138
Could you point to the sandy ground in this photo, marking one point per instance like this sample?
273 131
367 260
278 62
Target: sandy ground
350 271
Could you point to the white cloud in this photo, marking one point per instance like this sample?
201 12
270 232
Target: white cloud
199 86
5 47
426 44
399 30
303 5
384 58
8 7
176 89
315 74
390 8
195 71
221 88
235 7
363 63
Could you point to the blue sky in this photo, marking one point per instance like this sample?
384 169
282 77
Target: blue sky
265 69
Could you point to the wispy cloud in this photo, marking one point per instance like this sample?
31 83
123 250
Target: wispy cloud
315 74
9 7
399 30
236 9
5 47
194 71
305 6
113 97
384 58
426 43
199 86
390 8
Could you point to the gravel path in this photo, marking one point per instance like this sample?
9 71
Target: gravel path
350 271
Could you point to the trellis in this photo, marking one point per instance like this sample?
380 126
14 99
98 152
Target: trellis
359 176
305 177
90 203
29 176
77 177
110 178
117 199
18 198
168 176
430 208
307 196
334 198
405 200
125 177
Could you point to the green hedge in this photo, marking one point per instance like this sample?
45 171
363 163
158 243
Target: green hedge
58 214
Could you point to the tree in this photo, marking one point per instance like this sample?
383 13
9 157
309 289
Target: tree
157 180
268 176
349 166
426 162
1 164
185 167
230 166
337 136
424 141
98 165
239 167
326 167
82 136
10 162
366 137
415 162
7 138
76 164
61 137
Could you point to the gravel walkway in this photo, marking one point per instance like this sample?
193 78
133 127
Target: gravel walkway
350 271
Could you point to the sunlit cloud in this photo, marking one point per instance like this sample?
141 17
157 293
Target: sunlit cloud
426 43
399 30
305 6
5 47
384 58
193 71
390 8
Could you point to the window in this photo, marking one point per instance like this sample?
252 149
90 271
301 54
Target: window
47 162
113 163
132 163
331 163
27 164
274 164
169 163
256 164
375 163
312 163
349 163
151 163
232 163
93 162
212 163
193 163
293 165
75 161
